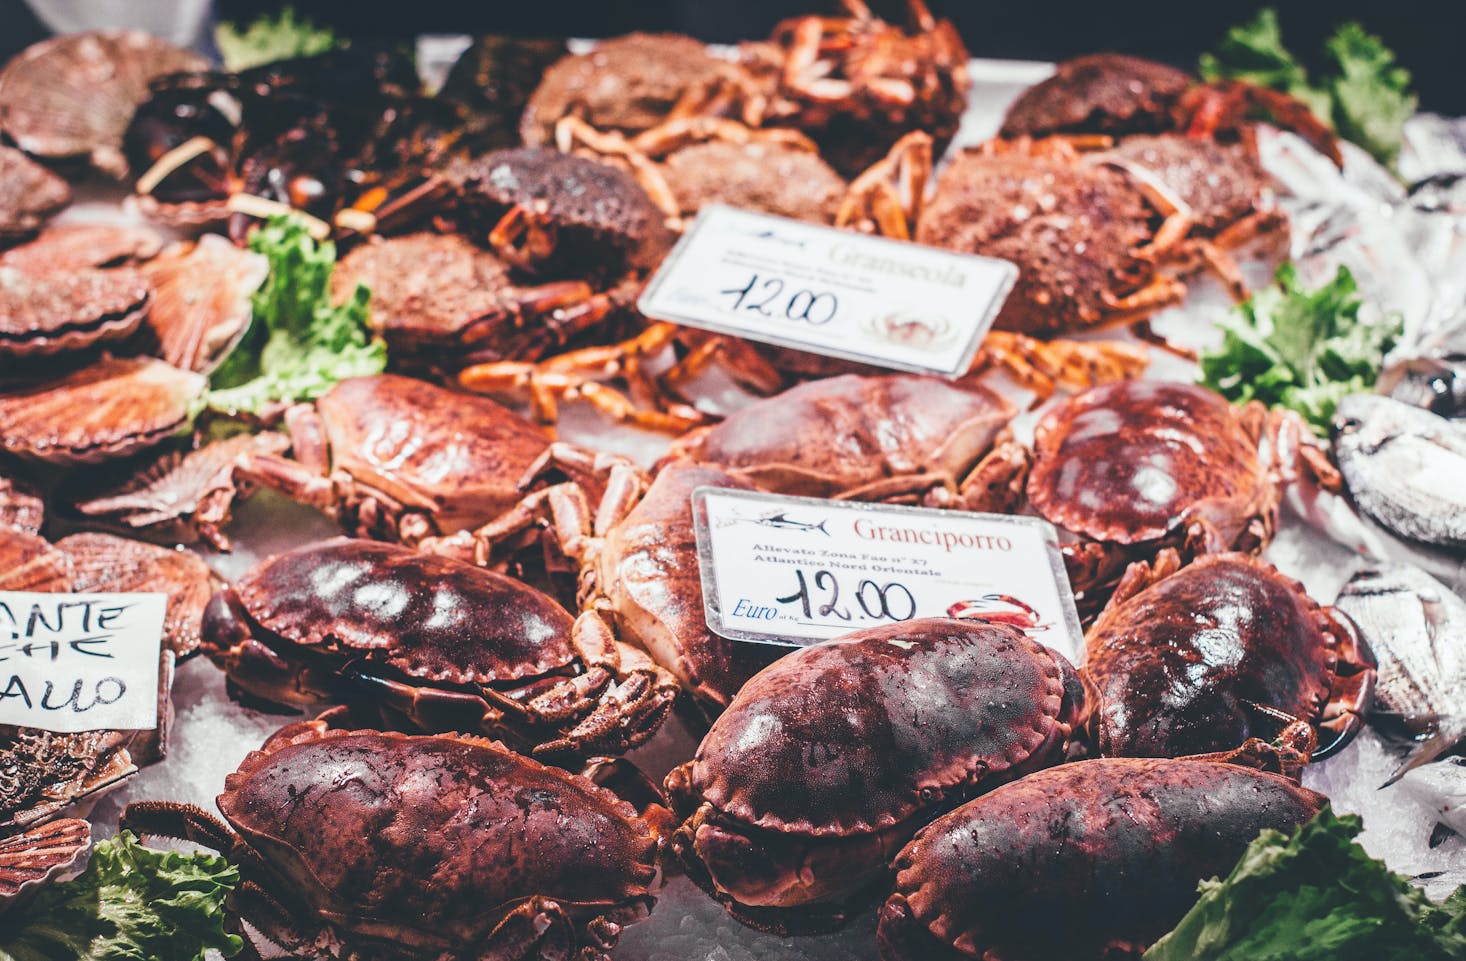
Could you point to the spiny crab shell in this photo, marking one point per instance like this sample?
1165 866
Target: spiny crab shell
1101 92
437 643
835 754
1199 659
1119 844
437 847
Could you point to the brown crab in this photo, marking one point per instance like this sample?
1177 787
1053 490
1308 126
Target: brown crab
856 84
833 756
1194 659
440 644
1121 843
1109 93
29 195
441 300
110 409
73 95
635 82
439 848
1134 467
895 437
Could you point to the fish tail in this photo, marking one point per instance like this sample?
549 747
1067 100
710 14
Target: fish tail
1438 744
821 527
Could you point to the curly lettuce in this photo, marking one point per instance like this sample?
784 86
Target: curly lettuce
299 343
131 904
1317 896
271 38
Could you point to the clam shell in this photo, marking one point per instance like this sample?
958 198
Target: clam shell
202 300
29 562
29 194
33 859
74 95
115 407
61 311
106 563
79 246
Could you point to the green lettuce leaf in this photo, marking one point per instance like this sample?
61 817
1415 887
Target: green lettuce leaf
131 904
1372 98
1300 349
1365 96
1316 896
269 38
299 344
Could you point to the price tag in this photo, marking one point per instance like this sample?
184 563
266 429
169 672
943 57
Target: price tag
829 291
793 570
80 662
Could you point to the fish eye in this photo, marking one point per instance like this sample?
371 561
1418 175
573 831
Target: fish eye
1349 425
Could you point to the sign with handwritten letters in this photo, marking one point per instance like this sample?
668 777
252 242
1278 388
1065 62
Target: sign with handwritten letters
80 662
828 291
792 570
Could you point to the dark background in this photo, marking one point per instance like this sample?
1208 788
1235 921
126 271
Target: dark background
1429 37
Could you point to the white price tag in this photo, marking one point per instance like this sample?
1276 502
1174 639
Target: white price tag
792 570
80 662
828 291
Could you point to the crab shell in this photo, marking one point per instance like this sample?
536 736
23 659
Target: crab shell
757 175
29 195
1071 228
833 756
1137 463
422 846
603 221
112 408
837 435
1178 666
1102 92
456 457
1118 844
1220 183
647 581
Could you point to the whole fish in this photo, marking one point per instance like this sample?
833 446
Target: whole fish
1417 629
1404 466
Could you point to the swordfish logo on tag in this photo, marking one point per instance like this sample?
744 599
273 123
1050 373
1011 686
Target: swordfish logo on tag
829 291
80 662
793 570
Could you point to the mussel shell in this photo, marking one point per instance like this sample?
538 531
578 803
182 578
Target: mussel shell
113 408
33 859
73 95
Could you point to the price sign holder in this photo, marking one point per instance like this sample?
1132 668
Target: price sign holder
795 570
828 291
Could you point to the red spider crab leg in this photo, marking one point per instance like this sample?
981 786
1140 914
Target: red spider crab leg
523 236
889 196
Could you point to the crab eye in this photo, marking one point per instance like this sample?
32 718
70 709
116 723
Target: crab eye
929 794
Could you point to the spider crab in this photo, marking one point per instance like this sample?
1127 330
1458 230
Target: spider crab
441 847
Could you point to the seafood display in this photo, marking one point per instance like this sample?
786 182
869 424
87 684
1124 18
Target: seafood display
1098 612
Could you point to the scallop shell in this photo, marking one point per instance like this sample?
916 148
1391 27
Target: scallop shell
43 773
106 564
33 859
21 506
29 194
79 246
28 562
74 95
115 407
202 300
55 312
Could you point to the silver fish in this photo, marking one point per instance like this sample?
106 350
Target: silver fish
1404 466
1442 787
1436 384
1417 629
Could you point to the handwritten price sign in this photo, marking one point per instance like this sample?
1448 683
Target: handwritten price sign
80 662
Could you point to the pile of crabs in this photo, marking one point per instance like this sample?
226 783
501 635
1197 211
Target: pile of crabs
510 612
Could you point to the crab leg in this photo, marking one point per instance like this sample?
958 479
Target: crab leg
891 193
1076 364
572 131
524 236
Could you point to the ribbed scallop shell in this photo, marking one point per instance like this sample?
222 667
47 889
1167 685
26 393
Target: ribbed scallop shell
29 562
115 407
21 506
33 859
55 312
79 246
74 95
201 300
29 194
106 563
